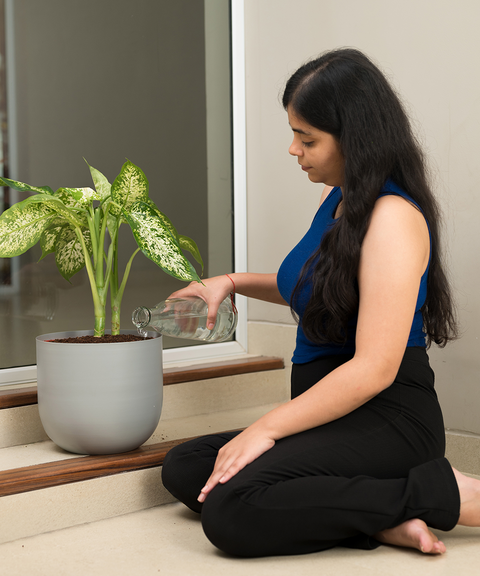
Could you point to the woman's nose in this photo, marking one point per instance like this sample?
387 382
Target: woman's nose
295 149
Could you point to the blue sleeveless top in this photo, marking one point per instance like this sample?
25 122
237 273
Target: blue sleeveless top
290 269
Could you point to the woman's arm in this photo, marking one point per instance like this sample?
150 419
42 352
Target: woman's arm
394 256
259 286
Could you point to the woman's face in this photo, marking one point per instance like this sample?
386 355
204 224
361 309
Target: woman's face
318 152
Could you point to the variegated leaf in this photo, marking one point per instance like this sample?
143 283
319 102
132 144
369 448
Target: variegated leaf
130 186
113 223
166 221
58 221
48 240
77 197
102 185
157 243
56 204
21 187
190 245
22 225
69 253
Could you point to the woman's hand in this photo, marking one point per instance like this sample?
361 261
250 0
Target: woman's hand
234 456
213 291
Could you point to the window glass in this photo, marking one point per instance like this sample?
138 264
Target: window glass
106 80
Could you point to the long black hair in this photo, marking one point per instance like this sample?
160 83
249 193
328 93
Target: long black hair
343 93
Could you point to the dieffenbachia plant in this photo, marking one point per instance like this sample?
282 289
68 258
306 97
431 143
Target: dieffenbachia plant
73 223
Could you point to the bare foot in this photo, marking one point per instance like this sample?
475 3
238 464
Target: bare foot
412 534
469 489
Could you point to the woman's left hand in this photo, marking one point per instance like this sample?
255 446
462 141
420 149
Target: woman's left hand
234 456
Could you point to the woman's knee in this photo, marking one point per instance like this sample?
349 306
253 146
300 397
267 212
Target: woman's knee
220 526
230 524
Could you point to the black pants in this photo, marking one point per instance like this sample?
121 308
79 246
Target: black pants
337 484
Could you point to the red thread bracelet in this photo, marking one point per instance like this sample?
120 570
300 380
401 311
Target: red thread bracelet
231 280
232 294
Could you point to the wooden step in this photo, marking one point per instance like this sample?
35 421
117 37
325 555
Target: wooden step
51 474
13 398
40 476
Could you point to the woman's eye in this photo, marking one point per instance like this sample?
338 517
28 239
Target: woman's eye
307 144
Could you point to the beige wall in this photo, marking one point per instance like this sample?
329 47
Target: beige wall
431 51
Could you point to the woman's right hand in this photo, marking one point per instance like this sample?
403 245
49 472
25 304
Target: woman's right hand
212 290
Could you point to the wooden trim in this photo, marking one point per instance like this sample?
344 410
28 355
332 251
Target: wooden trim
19 480
29 478
20 397
25 396
221 369
82 468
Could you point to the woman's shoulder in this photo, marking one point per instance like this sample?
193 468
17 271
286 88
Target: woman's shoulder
397 220
394 198
393 202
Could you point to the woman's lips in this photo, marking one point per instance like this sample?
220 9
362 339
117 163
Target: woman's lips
305 168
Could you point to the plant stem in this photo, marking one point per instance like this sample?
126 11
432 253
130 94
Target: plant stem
99 299
114 283
117 299
99 271
93 227
99 329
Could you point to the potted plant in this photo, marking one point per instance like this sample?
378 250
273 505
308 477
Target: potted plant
98 397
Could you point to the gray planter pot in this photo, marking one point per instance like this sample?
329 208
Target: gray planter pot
99 398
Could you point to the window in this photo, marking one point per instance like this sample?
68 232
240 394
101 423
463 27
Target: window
159 82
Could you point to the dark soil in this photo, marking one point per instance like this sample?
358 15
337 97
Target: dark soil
107 339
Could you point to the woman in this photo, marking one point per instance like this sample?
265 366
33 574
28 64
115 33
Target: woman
357 456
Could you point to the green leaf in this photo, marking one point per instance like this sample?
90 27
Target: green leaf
22 225
102 185
130 186
157 242
77 198
69 252
187 243
21 187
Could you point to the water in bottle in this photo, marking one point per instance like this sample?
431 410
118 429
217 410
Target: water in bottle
187 318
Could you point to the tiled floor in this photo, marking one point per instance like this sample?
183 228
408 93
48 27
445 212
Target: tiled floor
168 540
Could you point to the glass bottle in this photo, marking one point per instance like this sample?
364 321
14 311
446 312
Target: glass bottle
187 318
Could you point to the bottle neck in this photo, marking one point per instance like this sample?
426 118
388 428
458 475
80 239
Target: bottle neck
141 317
